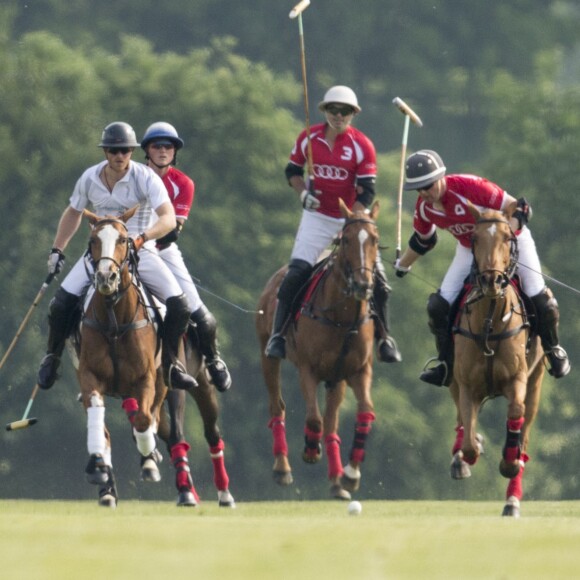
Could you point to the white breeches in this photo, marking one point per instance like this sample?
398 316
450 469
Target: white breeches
315 233
174 261
155 274
529 270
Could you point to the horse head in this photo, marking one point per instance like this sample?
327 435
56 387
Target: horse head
494 248
358 250
109 249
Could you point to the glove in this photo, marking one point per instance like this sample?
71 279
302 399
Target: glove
55 261
139 241
401 271
309 199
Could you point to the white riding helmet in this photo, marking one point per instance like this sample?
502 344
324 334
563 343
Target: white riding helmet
340 94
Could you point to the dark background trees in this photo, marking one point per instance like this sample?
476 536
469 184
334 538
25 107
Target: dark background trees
497 88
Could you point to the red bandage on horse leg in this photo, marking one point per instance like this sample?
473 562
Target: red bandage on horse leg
332 444
181 463
179 450
130 406
458 439
220 476
515 487
278 428
312 442
515 424
362 428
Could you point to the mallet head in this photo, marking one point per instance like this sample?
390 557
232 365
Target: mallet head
299 8
22 424
406 110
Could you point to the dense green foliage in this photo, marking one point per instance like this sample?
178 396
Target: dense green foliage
497 88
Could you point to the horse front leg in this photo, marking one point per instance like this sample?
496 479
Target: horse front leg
99 470
334 398
468 408
361 386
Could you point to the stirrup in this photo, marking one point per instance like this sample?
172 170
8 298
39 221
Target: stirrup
219 374
559 362
437 375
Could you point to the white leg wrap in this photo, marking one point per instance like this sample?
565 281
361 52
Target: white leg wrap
145 441
96 441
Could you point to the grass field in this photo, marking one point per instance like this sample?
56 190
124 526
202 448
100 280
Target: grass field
288 540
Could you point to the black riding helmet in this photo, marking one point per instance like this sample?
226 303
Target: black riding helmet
118 134
423 168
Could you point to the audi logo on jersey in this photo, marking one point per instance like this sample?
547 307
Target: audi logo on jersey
461 229
330 172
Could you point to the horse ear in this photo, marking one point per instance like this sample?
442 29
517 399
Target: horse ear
346 213
375 211
473 210
91 217
128 214
511 208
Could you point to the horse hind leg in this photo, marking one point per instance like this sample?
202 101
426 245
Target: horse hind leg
352 475
187 495
460 468
335 469
281 472
514 492
108 496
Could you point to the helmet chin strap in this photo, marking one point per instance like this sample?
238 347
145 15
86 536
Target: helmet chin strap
159 166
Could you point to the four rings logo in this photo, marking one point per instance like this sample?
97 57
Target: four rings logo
461 229
330 172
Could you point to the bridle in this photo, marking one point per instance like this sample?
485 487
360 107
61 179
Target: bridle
503 276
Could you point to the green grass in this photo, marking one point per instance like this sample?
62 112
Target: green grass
288 540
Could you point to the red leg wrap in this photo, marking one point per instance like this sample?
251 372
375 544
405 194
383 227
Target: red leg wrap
458 439
362 428
130 406
220 476
515 487
332 443
278 428
179 450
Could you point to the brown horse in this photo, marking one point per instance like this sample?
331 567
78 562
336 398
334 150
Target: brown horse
332 341
496 354
117 358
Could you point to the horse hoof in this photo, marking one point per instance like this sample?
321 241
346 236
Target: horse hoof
97 471
312 455
108 500
338 492
226 499
350 479
283 477
509 470
511 508
186 499
479 442
459 468
150 471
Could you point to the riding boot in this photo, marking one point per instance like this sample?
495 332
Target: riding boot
548 319
387 350
63 311
174 327
206 327
442 373
298 273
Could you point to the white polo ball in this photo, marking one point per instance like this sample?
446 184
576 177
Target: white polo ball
354 508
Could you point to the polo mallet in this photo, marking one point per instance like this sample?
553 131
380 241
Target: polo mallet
296 12
409 114
25 421
40 294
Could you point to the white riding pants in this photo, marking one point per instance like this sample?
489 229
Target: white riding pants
174 260
315 233
155 274
529 268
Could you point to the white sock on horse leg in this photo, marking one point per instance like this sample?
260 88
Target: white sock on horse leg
96 441
145 441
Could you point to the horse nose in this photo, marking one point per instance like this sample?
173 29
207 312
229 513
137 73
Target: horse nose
363 290
106 281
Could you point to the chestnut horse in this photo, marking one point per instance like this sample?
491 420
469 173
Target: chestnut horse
331 340
126 326
118 353
496 354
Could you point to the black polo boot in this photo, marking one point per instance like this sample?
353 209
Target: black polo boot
442 373
206 328
298 273
548 320
62 314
